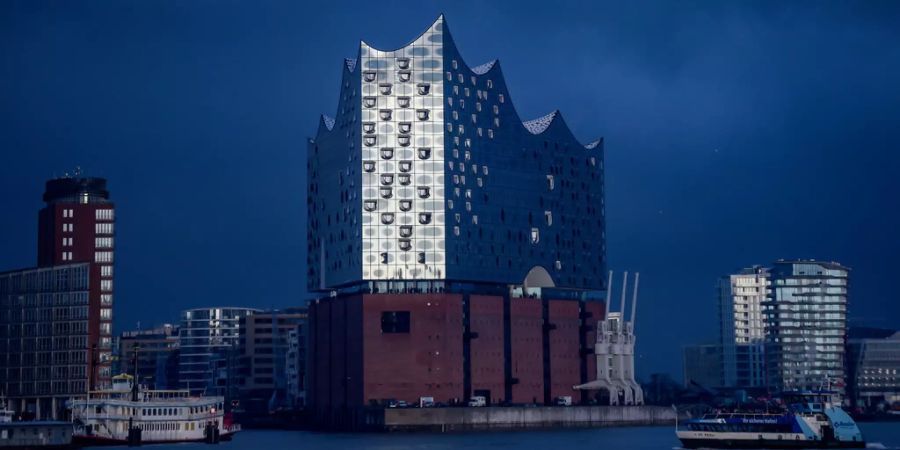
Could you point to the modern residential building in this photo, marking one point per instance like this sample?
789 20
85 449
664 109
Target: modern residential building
742 328
806 325
151 356
208 349
56 319
296 367
702 365
45 338
265 341
873 364
460 251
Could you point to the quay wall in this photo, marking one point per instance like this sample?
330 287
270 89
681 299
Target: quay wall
509 418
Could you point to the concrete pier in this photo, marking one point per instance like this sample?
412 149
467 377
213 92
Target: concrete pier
517 417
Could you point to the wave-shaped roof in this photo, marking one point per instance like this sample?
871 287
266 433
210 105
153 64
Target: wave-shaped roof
484 68
539 125
329 122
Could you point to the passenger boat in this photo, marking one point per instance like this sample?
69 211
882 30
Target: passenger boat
809 420
40 434
127 414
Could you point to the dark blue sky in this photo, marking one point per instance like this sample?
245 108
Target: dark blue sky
736 133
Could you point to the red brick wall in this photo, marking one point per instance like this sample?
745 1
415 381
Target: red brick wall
565 368
526 323
486 319
425 362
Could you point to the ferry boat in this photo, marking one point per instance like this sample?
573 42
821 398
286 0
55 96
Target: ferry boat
127 414
810 420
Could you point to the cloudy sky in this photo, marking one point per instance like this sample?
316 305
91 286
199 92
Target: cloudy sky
736 134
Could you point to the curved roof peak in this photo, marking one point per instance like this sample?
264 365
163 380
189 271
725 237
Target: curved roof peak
539 125
328 122
484 68
437 25
594 144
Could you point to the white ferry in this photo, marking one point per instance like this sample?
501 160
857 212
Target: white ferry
810 420
127 414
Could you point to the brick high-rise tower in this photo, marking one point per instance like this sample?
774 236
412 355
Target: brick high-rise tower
77 225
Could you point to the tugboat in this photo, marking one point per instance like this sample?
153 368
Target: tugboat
127 414
809 420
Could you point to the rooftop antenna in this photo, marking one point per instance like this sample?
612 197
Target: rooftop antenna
637 278
609 282
624 290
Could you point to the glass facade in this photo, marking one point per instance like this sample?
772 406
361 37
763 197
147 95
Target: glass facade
428 173
208 341
806 319
742 328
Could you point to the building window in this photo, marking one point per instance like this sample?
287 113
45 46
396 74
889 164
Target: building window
370 205
490 84
403 102
405 244
423 88
395 322
370 140
403 140
456 230
406 231
405 127
403 63
421 257
500 98
384 88
369 102
422 114
387 153
103 242
405 205
490 133
454 64
369 76
387 192
369 166
369 127
405 166
548 217
550 183
387 218
103 256
106 299
424 191
475 219
424 153
425 218
105 285
404 179
535 235
385 114
404 76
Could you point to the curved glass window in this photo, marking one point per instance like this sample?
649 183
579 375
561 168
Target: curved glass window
406 231
370 205
404 179
422 114
368 127
405 205
387 218
369 75
405 245
387 192
384 88
424 191
369 102
403 63
403 102
423 88
424 153
387 179
370 141
387 153
385 114
404 76
405 127
369 166
403 141
425 218
405 166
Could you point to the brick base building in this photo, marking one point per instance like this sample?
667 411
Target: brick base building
369 349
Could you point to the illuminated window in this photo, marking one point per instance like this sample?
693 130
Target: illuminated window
406 231
369 166
424 153
422 114
403 102
405 244
403 140
387 192
405 205
403 179
369 76
403 63
404 76
369 102
405 166
370 205
535 235
387 179
368 127
425 218
387 153
385 114
387 218
384 88
424 191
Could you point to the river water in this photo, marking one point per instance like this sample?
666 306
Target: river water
878 436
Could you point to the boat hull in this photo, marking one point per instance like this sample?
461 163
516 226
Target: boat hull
766 443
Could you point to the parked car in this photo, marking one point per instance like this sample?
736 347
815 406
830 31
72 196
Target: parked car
477 401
